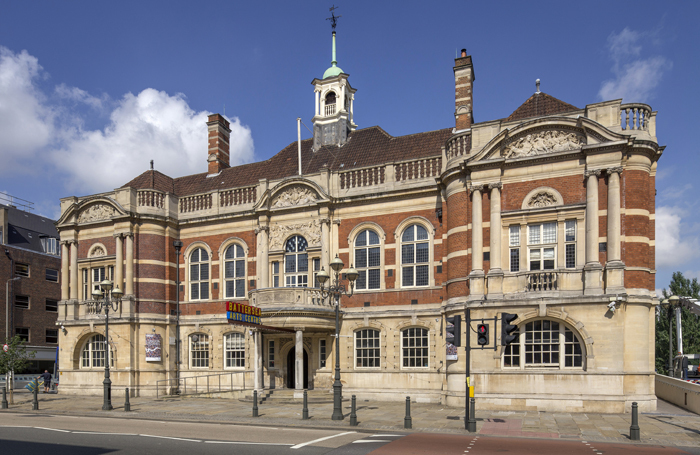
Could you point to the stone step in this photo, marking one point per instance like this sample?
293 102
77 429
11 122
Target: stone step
286 396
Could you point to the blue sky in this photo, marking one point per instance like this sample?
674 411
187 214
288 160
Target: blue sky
90 92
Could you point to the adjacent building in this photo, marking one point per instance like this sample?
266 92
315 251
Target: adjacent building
547 213
29 273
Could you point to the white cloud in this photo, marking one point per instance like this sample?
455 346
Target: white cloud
673 247
26 124
151 125
635 77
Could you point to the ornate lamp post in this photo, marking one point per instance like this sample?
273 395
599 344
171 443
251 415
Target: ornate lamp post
107 300
178 245
336 289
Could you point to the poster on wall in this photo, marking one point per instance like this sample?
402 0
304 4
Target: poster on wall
450 349
154 346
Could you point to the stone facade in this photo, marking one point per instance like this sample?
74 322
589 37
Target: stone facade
546 214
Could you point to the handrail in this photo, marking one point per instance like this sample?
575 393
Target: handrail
182 385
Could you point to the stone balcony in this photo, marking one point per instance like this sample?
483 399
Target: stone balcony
549 283
294 307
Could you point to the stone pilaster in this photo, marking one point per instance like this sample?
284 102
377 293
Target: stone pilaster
65 271
263 234
119 262
592 269
129 285
74 270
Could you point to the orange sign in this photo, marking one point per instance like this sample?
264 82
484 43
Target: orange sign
242 308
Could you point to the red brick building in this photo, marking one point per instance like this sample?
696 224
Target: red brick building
29 273
547 213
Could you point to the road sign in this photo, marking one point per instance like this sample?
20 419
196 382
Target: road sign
5 347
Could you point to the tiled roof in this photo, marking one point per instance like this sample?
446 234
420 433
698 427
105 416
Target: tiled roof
366 147
538 105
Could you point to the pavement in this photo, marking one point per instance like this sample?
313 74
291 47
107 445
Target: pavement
669 425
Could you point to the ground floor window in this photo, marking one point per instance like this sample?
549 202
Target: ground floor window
93 355
234 345
414 344
199 351
544 344
367 348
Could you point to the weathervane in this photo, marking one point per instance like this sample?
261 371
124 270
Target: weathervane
333 18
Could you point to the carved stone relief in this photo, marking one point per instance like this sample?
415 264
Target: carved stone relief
543 142
96 212
311 231
293 196
97 252
542 199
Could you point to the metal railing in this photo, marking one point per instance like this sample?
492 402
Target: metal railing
192 385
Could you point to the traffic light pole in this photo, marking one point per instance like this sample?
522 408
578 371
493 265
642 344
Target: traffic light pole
469 420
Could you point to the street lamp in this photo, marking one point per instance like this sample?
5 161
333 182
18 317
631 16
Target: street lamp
336 289
178 245
104 299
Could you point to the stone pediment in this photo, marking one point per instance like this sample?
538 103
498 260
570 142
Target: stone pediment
96 212
293 196
92 210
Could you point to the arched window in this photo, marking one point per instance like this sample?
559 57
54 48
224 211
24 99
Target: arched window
296 262
414 347
234 271
367 260
330 103
367 353
234 350
199 351
93 355
415 256
199 274
544 344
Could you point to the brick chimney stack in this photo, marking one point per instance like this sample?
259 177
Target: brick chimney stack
219 133
464 77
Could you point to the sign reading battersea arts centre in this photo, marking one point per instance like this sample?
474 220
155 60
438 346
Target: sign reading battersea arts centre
240 312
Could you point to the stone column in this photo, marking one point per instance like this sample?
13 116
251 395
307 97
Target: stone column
592 275
263 256
317 104
614 268
74 270
495 275
129 285
299 363
476 277
119 262
65 271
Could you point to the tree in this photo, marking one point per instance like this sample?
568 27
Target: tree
682 287
15 360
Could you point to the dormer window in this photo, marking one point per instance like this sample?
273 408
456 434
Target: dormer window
330 103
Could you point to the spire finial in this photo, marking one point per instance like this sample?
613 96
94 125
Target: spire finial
537 83
333 18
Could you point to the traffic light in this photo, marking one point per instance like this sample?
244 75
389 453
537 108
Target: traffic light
454 330
507 328
482 332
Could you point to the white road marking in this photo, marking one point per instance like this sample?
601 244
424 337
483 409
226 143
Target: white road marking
94 432
360 441
387 436
168 437
248 443
16 426
52 429
304 444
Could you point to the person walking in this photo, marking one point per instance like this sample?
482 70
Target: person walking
46 376
684 366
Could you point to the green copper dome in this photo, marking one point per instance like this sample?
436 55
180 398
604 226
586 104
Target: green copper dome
334 70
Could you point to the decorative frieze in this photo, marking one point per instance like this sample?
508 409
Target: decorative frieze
542 199
543 142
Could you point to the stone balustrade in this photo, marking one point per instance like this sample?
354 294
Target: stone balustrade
542 281
635 116
417 169
458 145
288 297
238 196
358 178
550 281
195 203
150 198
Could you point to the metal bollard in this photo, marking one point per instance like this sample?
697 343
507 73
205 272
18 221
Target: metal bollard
471 422
4 398
35 399
353 412
634 428
305 410
127 405
255 403
407 421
